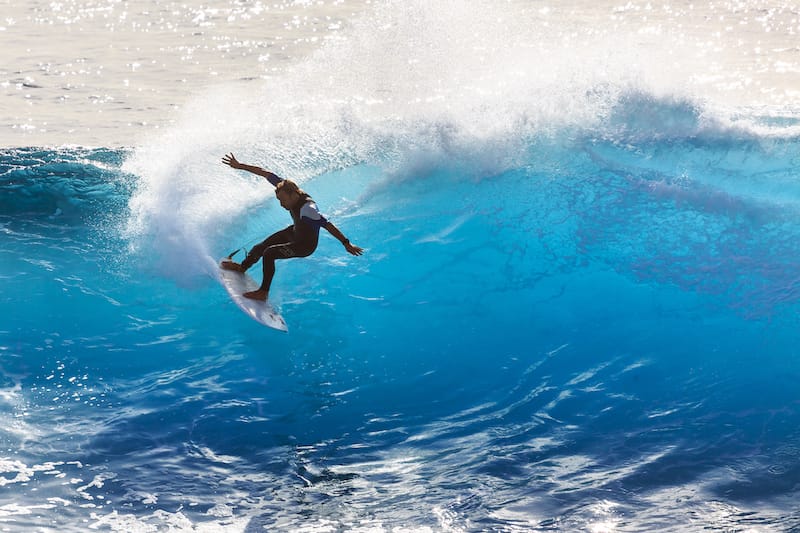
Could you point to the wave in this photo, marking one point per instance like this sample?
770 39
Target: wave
414 87
72 182
588 129
578 296
655 189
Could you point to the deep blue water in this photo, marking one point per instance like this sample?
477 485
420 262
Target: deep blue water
600 334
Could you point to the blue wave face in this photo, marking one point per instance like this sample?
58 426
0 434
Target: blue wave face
597 330
77 182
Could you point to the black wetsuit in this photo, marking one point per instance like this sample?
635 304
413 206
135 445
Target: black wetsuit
298 240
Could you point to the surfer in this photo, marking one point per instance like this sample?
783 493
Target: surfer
298 240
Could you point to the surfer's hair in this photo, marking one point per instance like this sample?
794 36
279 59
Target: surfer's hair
289 186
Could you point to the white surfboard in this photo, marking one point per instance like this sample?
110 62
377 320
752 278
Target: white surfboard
237 283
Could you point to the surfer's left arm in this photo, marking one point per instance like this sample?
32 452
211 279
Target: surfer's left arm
337 234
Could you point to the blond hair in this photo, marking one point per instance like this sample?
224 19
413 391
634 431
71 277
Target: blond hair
290 186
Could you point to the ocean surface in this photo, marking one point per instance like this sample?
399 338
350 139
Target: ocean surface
578 307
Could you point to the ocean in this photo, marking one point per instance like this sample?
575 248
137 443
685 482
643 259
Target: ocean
577 309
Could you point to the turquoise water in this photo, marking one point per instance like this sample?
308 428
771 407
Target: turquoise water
583 338
577 309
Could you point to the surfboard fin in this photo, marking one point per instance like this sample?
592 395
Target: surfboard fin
234 253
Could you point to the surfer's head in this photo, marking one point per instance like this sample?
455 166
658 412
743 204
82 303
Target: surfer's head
289 193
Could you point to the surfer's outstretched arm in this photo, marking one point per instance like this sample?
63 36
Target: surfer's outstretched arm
232 162
351 248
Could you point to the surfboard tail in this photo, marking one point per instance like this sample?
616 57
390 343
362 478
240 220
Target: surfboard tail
236 284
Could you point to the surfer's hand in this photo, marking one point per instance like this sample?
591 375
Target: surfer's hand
355 250
231 161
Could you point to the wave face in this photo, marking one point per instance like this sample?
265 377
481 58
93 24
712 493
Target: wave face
577 309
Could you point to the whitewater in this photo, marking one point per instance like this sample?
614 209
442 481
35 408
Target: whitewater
577 309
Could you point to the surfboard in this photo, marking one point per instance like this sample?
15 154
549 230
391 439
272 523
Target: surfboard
237 283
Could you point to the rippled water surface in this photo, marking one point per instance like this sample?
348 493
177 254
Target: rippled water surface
576 310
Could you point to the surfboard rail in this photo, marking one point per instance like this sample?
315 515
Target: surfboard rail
237 283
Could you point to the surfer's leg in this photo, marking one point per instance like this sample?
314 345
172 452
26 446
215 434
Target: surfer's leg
279 251
283 236
268 269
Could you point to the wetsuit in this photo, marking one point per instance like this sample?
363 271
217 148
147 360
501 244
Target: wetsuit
298 240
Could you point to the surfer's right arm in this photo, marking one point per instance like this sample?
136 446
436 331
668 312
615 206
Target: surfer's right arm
232 162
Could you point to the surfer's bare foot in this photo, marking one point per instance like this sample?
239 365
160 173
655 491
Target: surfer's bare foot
231 265
260 294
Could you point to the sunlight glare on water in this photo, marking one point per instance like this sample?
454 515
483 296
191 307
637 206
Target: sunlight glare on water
577 309
107 73
110 73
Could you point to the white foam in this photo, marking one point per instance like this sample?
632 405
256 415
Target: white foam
412 84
